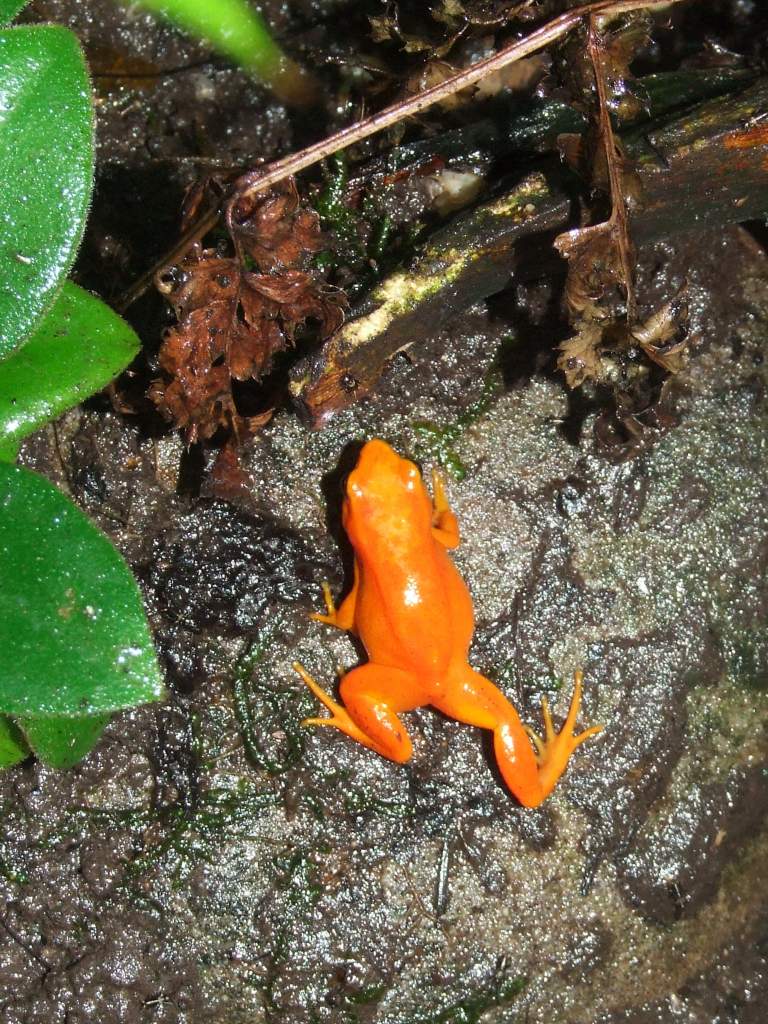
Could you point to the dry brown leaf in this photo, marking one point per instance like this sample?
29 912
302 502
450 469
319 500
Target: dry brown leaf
232 321
432 73
521 77
272 227
490 13
422 38
594 268
663 336
626 38
196 392
601 257
580 355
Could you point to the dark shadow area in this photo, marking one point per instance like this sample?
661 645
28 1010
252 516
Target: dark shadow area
333 486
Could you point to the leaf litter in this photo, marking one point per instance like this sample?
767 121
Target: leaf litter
609 344
244 300
237 305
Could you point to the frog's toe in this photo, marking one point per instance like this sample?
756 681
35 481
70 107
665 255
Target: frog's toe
536 740
318 721
328 598
554 750
318 691
329 616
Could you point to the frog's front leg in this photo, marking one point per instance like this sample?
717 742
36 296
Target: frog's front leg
372 696
445 526
342 617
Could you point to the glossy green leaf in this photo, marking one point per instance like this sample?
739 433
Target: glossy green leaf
13 747
236 30
9 451
9 9
62 742
78 348
73 636
46 169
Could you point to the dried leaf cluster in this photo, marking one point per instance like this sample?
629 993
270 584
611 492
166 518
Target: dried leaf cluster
609 345
240 303
606 351
237 309
435 28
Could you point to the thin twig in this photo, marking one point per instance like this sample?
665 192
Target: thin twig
618 204
274 172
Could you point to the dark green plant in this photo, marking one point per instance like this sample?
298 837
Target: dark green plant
74 641
233 28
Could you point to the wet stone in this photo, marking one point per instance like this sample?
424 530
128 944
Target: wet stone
221 567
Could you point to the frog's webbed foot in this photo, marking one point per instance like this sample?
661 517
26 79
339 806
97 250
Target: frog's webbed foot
554 749
339 718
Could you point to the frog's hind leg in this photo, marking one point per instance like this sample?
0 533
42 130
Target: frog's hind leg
372 696
530 775
554 750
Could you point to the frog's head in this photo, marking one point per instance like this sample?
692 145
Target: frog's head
385 496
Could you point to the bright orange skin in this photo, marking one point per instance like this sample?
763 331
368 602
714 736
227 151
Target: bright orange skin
413 613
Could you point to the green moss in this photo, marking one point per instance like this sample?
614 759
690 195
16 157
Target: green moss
367 995
277 711
340 791
335 214
361 801
437 443
748 660
520 204
365 237
180 839
297 878
380 240
501 992
12 867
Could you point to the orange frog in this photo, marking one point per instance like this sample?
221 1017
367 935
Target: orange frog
413 613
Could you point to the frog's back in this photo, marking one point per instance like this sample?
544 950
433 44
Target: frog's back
413 610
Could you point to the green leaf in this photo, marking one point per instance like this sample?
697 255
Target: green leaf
78 348
73 636
236 30
12 746
62 742
46 169
9 9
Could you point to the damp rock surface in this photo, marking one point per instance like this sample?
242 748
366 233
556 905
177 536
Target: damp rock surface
212 861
